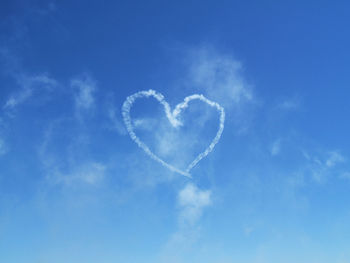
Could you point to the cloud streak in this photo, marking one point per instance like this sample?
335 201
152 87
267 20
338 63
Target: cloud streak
175 122
28 86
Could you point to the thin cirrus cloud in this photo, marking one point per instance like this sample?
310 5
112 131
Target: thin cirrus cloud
334 158
28 85
68 163
276 147
91 173
290 104
321 167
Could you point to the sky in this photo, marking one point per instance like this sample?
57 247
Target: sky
104 106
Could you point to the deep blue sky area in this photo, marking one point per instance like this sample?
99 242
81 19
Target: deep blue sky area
87 175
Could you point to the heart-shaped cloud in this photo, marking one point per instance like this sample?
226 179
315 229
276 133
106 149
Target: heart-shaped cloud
172 117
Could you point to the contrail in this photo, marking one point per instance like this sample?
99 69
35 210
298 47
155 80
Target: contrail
172 117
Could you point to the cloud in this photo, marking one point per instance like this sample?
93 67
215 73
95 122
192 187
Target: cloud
174 121
147 124
179 248
334 159
276 147
345 176
20 97
84 88
290 104
248 230
90 173
219 77
191 201
65 158
28 85
321 167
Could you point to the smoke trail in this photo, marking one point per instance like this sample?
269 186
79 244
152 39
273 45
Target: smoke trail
172 117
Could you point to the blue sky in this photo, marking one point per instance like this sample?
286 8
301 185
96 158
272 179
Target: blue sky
75 187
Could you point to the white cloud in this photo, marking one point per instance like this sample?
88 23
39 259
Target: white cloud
219 77
84 88
168 142
147 124
334 158
174 121
28 85
321 168
276 147
179 247
18 98
191 201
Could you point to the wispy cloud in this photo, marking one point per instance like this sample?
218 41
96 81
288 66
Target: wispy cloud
90 173
345 176
334 158
191 202
147 124
63 163
219 77
84 90
290 104
248 230
276 147
321 167
28 85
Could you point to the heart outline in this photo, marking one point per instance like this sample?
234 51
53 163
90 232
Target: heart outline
128 103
